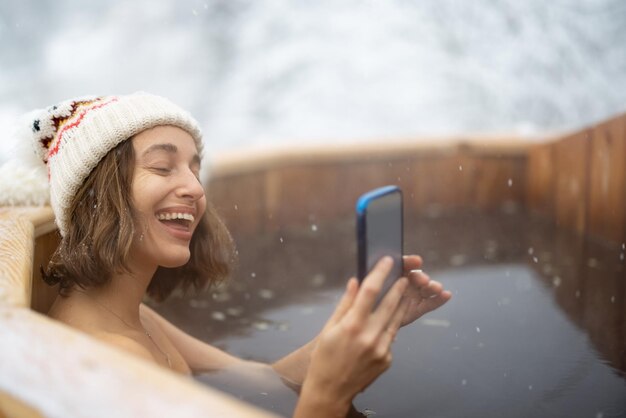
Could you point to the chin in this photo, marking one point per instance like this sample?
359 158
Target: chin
173 260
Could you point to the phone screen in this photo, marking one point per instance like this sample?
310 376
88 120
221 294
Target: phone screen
380 231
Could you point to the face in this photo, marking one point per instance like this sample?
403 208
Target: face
167 196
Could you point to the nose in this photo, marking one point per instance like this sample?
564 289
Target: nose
190 187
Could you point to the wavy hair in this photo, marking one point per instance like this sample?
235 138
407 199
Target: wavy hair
101 230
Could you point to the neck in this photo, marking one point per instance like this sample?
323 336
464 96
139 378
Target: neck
123 294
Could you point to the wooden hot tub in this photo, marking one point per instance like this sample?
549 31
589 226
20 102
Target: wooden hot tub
577 181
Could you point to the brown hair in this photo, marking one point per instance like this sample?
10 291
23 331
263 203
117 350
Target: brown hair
101 230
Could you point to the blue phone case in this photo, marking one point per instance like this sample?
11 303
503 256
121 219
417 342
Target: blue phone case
362 205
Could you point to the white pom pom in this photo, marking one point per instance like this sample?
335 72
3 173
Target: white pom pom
27 140
23 185
24 177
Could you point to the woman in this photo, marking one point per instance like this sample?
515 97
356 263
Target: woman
134 219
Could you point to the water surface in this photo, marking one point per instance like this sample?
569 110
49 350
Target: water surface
536 326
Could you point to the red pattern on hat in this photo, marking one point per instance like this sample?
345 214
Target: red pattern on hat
52 151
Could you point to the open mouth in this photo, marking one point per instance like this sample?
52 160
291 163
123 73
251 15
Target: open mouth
179 221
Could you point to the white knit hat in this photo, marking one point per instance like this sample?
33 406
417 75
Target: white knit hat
73 136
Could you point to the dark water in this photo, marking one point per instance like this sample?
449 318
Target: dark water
536 327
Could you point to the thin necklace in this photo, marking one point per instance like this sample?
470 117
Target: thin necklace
167 357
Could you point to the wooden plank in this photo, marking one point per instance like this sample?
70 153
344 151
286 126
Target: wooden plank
43 295
441 182
12 407
21 282
299 195
497 181
607 181
540 179
59 371
360 177
16 246
239 163
239 200
577 181
301 188
572 174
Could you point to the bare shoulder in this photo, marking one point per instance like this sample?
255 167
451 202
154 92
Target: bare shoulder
76 314
149 312
199 355
154 318
157 324
125 343
83 317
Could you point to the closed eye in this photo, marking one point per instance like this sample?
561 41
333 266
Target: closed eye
161 170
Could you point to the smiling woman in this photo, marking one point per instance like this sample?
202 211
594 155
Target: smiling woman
167 191
110 235
134 219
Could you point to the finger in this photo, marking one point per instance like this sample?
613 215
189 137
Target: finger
394 324
426 287
411 262
433 303
345 302
389 305
432 289
418 278
371 287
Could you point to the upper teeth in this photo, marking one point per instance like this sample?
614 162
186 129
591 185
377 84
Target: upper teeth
169 216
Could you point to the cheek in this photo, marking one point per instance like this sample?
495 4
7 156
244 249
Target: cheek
143 198
202 207
145 192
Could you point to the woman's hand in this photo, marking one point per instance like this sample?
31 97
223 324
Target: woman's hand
423 295
353 349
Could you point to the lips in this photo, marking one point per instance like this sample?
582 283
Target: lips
177 221
166 216
178 225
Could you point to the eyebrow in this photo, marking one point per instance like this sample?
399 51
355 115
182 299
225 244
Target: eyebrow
170 149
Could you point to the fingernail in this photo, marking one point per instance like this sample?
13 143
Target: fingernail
416 271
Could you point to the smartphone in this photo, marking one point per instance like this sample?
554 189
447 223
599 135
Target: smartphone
379 215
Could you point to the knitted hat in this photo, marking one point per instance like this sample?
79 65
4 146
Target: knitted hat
73 136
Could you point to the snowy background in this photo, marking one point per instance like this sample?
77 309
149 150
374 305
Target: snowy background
259 73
